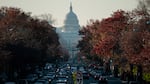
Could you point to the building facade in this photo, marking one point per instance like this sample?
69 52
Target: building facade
69 33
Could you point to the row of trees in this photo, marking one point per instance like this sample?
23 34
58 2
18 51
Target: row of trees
26 40
124 37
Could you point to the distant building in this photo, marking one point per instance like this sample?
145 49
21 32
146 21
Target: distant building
68 34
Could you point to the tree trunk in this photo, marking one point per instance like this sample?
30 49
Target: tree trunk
131 73
139 74
116 71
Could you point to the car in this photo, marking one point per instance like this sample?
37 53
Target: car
92 73
10 83
22 81
133 82
62 74
102 79
62 80
73 69
39 73
85 75
41 81
48 66
32 77
81 69
113 80
50 75
61 83
93 83
47 78
98 73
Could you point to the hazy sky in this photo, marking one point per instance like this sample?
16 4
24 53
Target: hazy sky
84 9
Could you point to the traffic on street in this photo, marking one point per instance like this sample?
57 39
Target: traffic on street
68 73
113 47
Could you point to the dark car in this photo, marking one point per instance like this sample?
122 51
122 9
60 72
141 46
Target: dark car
97 75
109 80
22 81
85 75
61 79
102 79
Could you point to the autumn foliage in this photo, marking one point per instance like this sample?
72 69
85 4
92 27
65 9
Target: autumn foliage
135 41
104 35
122 36
108 33
26 40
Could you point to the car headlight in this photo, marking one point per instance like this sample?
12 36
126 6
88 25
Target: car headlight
49 80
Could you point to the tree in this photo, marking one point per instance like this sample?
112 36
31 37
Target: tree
25 40
85 45
106 36
135 41
47 17
101 38
123 37
144 5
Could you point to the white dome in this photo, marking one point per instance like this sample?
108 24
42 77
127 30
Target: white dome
71 21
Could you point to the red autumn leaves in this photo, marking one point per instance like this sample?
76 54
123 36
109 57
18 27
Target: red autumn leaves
128 30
